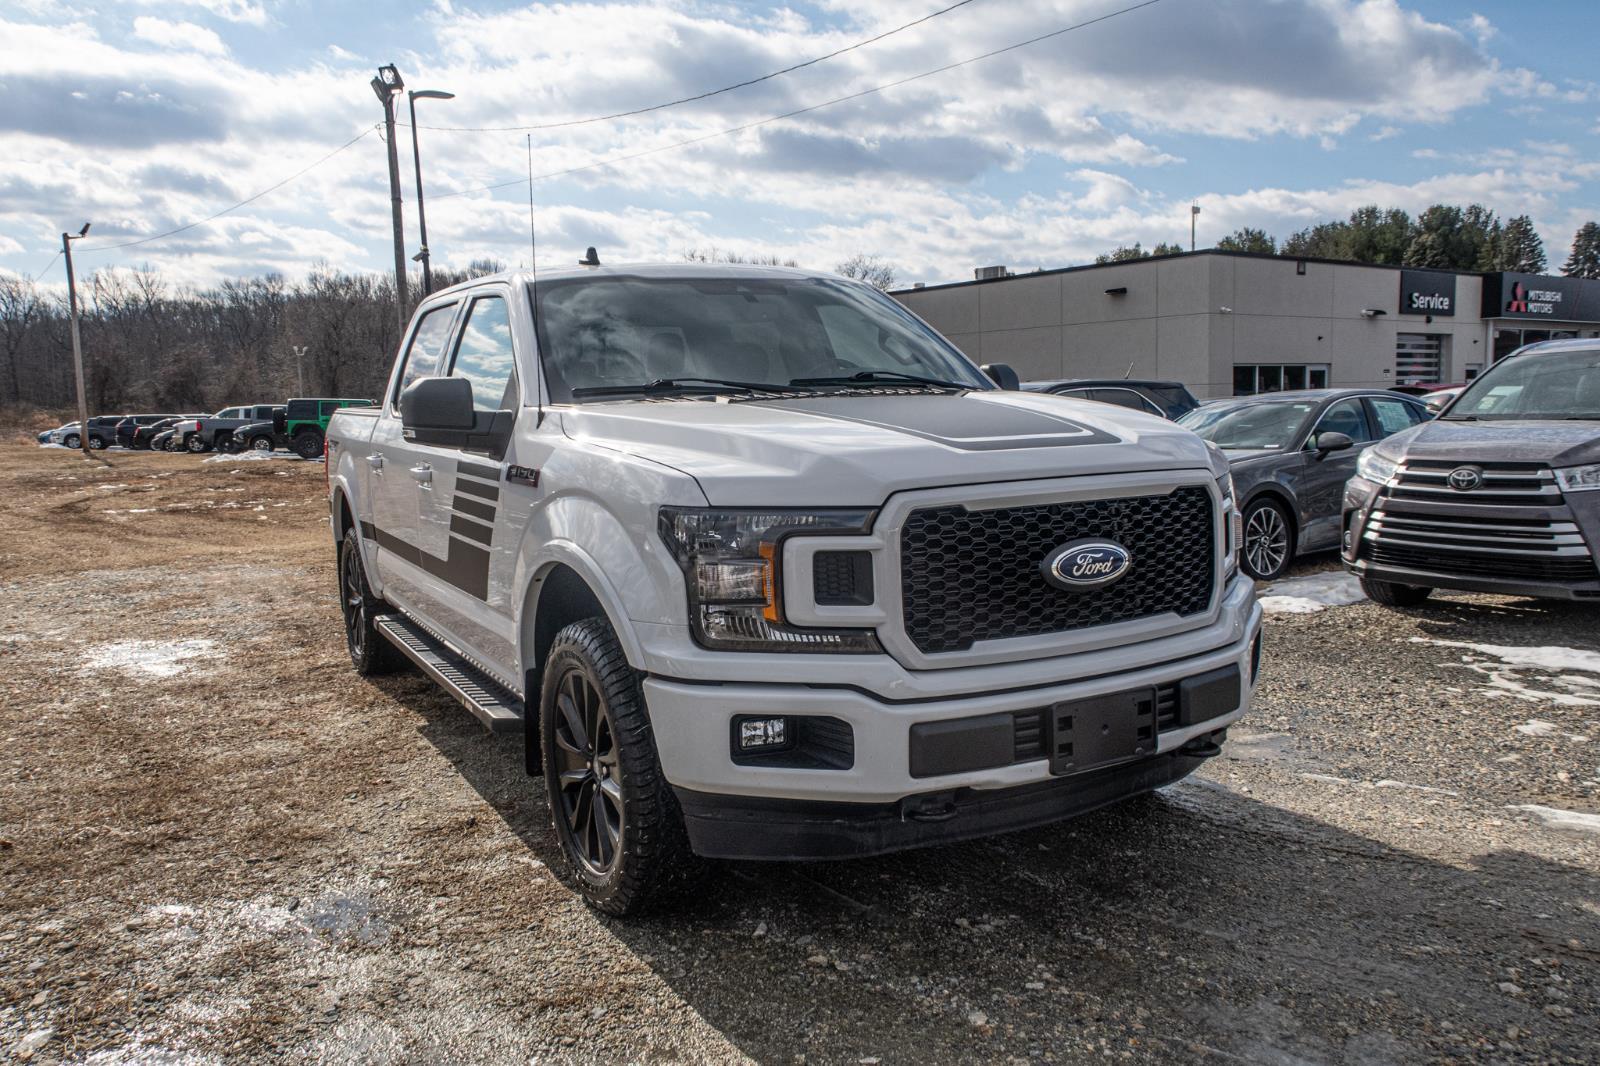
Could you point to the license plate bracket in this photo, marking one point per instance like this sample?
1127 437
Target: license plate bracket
1102 730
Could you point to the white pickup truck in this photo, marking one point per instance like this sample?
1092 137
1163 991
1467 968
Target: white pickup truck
772 571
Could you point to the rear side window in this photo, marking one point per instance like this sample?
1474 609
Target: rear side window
1122 398
1395 415
427 346
483 355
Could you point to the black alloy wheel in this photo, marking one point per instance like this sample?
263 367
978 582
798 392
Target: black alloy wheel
589 774
370 653
1267 541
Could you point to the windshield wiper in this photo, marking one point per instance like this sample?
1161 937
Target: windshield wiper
1458 418
880 375
700 385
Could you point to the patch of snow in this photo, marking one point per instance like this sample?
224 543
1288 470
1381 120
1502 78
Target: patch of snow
1312 593
253 457
1536 728
1551 660
149 658
58 447
1556 818
1415 788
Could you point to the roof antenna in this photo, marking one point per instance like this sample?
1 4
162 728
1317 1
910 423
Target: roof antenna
1129 374
591 258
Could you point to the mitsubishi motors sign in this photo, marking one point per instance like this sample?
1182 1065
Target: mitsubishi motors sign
1510 295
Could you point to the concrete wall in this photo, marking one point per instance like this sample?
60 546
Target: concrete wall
1194 318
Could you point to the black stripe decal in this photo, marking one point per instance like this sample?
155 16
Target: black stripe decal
472 507
471 530
488 473
488 492
467 567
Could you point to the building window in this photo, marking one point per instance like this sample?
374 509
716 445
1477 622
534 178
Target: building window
1418 358
1249 379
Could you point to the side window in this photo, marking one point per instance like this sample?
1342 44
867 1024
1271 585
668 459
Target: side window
327 408
483 355
1394 415
1120 397
427 347
1345 417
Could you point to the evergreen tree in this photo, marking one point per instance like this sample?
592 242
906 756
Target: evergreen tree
1247 239
1374 235
1168 249
1123 254
1584 262
1520 247
1427 249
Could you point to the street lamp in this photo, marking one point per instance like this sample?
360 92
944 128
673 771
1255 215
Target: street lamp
384 86
416 159
1194 211
77 343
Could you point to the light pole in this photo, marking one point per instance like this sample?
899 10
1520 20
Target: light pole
77 342
299 366
416 159
1194 213
385 85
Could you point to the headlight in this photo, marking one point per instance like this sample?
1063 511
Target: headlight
731 564
1579 478
1375 467
1232 526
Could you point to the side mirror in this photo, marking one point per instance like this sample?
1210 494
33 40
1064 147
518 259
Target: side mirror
1332 442
434 405
1002 375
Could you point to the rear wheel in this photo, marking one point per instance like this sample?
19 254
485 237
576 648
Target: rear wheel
370 652
615 816
1268 543
96 443
261 444
308 444
1392 594
194 443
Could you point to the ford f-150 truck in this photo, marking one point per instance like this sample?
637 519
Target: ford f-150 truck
772 571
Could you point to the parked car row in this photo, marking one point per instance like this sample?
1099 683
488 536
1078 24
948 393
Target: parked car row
299 425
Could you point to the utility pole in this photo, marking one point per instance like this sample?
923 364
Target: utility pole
77 342
299 367
385 85
1194 213
416 159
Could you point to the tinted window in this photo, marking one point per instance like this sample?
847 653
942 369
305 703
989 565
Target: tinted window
483 355
1122 398
1395 415
1347 417
427 346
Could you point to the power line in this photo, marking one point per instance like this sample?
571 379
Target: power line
613 160
47 267
242 203
709 93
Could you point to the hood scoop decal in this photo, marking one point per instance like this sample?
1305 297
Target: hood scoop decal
967 422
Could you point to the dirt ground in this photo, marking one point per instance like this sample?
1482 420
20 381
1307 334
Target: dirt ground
218 844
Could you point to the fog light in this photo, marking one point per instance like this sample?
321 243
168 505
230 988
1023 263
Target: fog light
762 734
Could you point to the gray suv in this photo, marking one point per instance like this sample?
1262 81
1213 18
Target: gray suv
1500 494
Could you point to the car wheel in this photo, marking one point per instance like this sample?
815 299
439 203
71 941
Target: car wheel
617 820
96 444
195 444
308 445
1268 540
261 444
1392 594
370 652
70 440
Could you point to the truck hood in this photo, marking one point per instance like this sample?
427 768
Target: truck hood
858 450
1556 443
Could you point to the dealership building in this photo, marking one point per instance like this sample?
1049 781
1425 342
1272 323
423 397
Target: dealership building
1235 323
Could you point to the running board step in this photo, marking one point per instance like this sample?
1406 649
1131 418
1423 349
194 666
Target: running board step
486 698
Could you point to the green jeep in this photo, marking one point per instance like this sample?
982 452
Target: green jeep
305 422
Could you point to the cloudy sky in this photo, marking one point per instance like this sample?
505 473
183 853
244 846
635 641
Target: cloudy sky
146 115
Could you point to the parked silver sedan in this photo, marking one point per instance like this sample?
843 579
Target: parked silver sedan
1291 453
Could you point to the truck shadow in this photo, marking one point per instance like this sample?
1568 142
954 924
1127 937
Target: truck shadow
1194 923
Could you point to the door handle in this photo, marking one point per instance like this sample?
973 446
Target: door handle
375 461
422 474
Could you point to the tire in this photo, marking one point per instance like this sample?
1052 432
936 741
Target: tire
260 444
597 745
1268 540
96 444
370 652
307 444
195 444
1391 594
223 442
71 440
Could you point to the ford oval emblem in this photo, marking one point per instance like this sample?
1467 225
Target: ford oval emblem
1086 564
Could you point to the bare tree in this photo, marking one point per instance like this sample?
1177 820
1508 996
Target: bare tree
871 269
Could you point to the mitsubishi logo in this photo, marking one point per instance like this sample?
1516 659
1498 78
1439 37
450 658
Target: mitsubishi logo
1465 478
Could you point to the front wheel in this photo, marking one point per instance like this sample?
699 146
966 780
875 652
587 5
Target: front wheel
370 652
308 445
1392 594
1268 547
261 444
71 440
195 444
615 816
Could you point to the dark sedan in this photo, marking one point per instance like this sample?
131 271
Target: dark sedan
1169 399
1291 453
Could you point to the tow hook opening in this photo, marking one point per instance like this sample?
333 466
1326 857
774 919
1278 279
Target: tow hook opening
933 807
1205 747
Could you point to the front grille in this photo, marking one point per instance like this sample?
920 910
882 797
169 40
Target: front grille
969 576
1481 565
1504 484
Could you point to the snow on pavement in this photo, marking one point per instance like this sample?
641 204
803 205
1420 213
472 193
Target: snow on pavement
1556 818
252 457
1566 668
1312 593
149 658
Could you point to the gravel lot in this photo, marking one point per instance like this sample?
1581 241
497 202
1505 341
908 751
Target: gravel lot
216 843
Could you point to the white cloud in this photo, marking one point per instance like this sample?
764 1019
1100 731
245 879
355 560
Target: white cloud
1481 28
242 11
184 36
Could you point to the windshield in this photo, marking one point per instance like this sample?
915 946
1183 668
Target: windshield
1251 425
614 333
1555 385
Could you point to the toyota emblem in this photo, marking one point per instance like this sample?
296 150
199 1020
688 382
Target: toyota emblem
1465 478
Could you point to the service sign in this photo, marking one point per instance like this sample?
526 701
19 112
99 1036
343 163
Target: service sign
1427 292
1511 295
